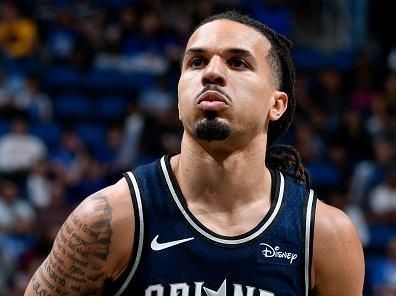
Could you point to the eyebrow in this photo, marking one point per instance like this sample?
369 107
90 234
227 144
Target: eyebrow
233 50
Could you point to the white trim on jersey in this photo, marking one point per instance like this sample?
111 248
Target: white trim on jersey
229 241
141 235
308 224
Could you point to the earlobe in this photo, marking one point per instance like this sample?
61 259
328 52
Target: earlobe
274 115
279 105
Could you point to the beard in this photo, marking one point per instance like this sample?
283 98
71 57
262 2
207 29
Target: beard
211 129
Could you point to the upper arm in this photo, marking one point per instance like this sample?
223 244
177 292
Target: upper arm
338 261
85 252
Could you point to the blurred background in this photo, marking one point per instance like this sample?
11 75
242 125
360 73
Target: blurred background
88 90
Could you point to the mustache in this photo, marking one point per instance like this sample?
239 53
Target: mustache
213 88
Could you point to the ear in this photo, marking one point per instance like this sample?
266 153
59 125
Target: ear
178 109
279 105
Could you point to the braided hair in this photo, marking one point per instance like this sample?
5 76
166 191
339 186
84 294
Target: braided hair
283 157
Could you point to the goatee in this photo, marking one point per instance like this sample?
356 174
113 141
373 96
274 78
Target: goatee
212 129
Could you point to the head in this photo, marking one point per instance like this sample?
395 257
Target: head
237 80
391 248
10 11
390 175
8 190
20 125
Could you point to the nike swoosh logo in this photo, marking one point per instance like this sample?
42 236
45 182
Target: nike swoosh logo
156 246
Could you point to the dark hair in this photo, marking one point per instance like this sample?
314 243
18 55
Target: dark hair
283 157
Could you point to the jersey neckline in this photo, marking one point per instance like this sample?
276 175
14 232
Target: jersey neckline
277 192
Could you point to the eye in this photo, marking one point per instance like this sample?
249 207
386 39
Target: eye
237 63
197 63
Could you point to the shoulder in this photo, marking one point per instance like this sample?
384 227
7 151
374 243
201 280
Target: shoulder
116 196
112 202
107 218
337 253
93 246
331 221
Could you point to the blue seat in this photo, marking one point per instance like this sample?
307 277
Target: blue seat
73 107
100 81
309 59
111 107
140 81
380 235
93 134
62 78
49 132
4 126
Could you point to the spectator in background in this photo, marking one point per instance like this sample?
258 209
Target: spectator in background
181 27
376 123
33 101
324 174
90 178
384 273
19 150
150 38
158 100
38 185
369 173
129 29
330 98
133 129
5 96
17 221
51 216
18 35
362 96
16 214
62 36
108 154
64 158
390 101
383 198
204 9
352 134
383 115
339 198
91 27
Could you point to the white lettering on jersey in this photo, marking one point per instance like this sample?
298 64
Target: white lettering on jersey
157 290
183 289
222 291
238 290
198 288
266 293
269 252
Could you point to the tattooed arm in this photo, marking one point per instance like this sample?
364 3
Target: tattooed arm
85 252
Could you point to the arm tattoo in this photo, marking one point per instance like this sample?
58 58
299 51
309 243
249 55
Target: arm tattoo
79 254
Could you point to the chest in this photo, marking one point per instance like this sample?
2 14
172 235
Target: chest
182 254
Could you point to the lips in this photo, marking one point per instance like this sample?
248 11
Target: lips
212 96
212 101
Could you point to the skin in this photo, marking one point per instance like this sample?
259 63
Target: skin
236 63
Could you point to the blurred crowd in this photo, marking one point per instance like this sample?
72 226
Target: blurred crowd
88 91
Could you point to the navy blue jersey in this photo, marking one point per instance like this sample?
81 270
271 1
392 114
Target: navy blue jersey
175 255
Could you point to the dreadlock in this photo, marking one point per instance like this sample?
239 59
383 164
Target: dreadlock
282 157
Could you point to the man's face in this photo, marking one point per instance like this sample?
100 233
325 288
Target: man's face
226 86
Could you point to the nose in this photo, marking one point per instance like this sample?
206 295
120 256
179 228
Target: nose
215 72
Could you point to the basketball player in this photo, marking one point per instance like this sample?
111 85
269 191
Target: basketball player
229 215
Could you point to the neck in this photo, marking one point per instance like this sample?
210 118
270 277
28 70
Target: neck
222 179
